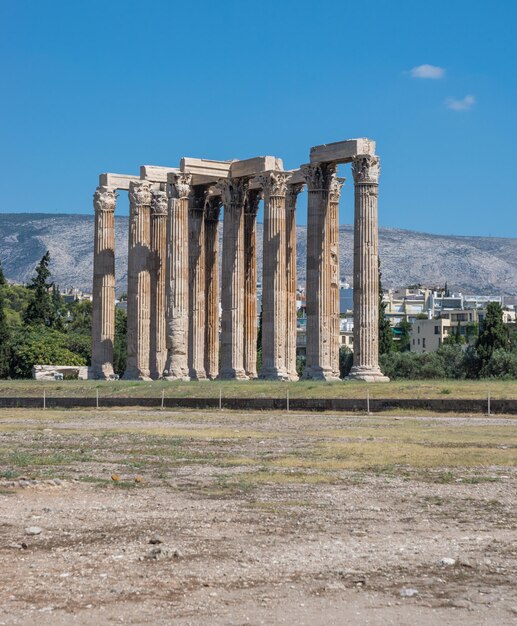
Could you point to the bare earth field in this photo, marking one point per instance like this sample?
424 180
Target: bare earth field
189 517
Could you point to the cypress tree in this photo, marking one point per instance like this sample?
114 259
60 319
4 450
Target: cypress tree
5 337
385 330
40 309
2 276
493 333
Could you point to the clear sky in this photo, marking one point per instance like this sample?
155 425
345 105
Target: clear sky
92 86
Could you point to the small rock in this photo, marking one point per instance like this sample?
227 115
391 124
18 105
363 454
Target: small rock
33 530
408 592
155 540
446 562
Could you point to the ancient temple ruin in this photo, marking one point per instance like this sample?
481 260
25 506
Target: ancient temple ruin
173 326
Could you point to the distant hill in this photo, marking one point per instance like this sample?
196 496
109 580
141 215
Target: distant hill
470 264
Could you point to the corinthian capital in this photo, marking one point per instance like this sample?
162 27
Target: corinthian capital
233 190
104 199
273 183
139 193
159 203
336 184
366 169
253 197
213 205
180 186
319 176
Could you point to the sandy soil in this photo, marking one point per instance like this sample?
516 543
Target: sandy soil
219 518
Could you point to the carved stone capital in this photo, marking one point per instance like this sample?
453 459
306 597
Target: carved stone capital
252 201
273 183
292 194
319 176
181 186
159 203
366 169
233 190
212 206
336 184
104 199
140 193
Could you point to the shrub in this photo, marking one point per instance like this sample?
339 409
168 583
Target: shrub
502 364
39 345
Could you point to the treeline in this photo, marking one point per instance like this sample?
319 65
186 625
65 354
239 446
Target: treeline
491 352
37 327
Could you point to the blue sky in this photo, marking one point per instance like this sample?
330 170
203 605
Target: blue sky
91 86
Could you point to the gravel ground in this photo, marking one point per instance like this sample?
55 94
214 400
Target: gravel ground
147 517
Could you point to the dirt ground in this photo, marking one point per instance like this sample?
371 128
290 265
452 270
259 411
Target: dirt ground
189 517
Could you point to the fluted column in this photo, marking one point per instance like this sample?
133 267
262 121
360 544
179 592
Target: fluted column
336 185
177 278
138 281
234 192
321 246
212 212
250 283
196 227
366 170
158 349
103 305
290 264
274 278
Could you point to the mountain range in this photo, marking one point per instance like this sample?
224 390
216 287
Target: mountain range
476 265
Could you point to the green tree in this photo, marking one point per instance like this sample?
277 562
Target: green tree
120 345
502 364
404 343
2 276
346 358
81 317
40 309
493 334
40 345
5 341
385 330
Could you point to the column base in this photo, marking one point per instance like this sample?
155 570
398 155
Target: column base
197 374
293 376
273 373
104 372
251 375
175 376
319 373
368 374
232 374
136 375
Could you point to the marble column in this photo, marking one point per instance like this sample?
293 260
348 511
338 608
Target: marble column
103 313
290 264
177 278
336 185
158 349
234 191
138 281
196 230
321 361
250 283
366 170
212 213
274 321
